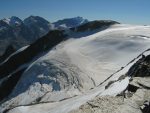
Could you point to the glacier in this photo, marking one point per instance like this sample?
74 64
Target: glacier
78 69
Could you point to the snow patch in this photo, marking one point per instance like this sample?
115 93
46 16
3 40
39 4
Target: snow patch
116 88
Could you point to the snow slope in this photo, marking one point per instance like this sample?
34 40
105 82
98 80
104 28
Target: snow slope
75 66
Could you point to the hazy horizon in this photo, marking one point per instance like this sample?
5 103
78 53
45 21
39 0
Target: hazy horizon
128 12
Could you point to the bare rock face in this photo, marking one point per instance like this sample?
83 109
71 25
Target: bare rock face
141 68
145 108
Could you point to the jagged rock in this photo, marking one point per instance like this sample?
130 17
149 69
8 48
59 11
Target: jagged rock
132 88
141 68
145 108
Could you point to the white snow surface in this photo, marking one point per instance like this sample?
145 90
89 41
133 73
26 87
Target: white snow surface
75 66
116 88
7 20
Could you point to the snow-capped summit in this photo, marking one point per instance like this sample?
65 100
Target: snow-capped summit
13 21
70 22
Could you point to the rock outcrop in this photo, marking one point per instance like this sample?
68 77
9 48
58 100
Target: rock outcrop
141 68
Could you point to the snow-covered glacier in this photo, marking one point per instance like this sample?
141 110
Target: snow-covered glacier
72 72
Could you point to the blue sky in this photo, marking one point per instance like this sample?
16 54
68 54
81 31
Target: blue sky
125 11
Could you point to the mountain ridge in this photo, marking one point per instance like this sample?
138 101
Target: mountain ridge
23 32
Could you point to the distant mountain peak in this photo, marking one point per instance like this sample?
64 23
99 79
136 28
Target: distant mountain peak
70 22
13 21
78 18
34 19
20 33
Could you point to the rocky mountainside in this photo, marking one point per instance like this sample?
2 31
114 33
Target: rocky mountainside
38 26
17 33
69 73
10 33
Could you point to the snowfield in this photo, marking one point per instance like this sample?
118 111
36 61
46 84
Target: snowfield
76 70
